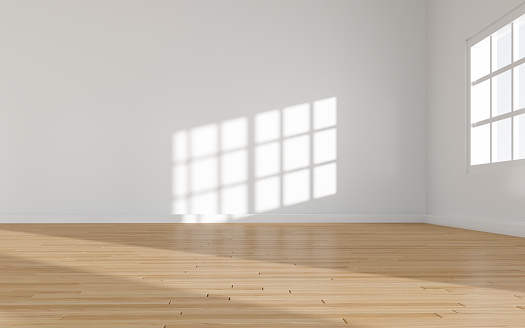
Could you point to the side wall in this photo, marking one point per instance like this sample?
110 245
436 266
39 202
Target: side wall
491 200
92 91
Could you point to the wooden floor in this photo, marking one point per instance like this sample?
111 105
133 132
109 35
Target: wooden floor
259 275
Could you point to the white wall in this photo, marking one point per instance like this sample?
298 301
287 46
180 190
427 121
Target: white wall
91 92
490 198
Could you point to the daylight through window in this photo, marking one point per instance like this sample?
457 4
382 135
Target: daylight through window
496 85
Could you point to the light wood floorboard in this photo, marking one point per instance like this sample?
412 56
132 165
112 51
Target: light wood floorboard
259 275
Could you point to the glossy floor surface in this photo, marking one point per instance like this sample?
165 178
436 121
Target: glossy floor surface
259 275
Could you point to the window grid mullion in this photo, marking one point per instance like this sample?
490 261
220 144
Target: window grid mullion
499 71
499 117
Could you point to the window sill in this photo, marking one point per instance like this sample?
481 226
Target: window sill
519 163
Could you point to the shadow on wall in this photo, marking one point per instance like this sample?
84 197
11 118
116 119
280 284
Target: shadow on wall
255 164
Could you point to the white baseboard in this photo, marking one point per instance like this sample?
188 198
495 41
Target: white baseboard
210 218
88 218
328 218
510 228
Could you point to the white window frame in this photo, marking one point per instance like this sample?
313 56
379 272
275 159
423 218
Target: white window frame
507 19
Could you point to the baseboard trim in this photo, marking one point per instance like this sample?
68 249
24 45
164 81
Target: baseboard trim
510 228
209 218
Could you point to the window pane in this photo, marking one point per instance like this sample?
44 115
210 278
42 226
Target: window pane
480 145
480 102
519 38
501 140
519 87
480 59
519 137
501 48
501 94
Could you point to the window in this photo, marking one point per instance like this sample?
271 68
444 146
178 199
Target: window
496 92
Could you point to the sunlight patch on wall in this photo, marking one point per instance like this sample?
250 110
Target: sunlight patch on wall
256 164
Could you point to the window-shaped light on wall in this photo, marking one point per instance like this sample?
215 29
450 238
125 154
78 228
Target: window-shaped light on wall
325 147
299 164
296 120
293 152
210 170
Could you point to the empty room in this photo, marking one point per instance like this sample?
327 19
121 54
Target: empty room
262 163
